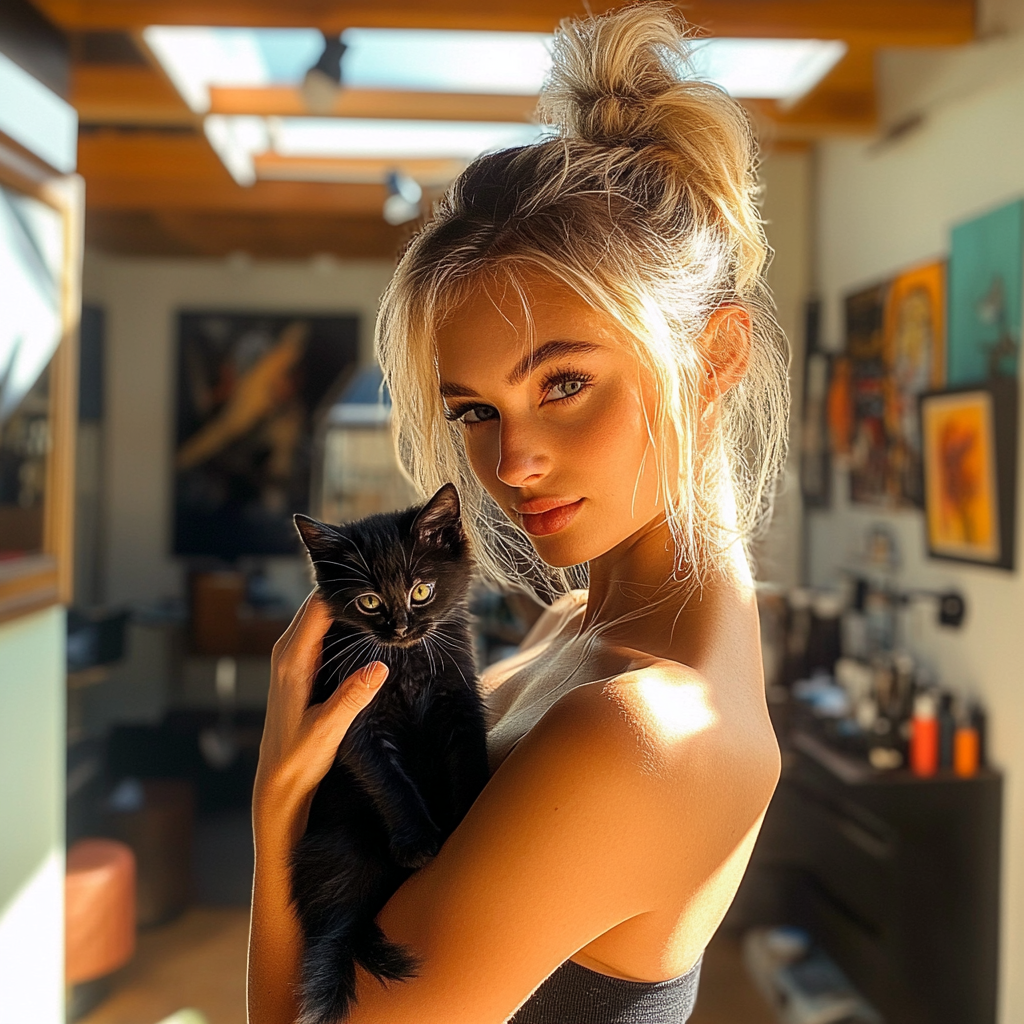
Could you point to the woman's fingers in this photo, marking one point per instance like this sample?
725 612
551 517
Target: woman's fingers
352 696
284 639
298 650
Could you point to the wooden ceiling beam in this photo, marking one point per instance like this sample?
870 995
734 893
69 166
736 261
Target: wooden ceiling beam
264 197
877 22
154 171
264 236
118 94
287 101
428 172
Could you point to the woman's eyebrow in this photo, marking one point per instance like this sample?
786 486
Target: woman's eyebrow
548 351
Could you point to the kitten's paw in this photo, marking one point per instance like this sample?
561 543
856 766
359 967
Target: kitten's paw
415 851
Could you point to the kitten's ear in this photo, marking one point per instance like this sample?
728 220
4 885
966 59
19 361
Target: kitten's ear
319 538
440 520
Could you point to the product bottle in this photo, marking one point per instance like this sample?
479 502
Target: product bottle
947 727
980 722
966 749
924 737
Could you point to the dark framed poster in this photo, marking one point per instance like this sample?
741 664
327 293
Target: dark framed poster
969 437
251 389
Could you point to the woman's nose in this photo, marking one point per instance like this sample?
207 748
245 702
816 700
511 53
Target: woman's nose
521 456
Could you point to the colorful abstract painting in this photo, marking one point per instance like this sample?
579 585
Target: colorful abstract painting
914 343
962 488
970 472
895 351
986 278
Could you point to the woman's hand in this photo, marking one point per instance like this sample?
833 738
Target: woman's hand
300 742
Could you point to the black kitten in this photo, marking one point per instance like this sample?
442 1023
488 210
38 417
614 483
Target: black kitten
412 762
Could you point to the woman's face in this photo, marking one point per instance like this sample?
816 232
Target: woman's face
555 430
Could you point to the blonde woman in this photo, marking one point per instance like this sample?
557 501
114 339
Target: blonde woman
581 339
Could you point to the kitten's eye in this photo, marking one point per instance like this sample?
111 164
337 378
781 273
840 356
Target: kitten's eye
368 603
421 593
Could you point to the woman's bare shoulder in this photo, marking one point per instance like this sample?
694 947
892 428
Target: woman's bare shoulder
666 722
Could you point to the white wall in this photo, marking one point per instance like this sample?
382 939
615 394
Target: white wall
880 209
32 818
141 298
786 207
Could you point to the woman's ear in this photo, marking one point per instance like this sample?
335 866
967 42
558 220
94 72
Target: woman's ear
726 344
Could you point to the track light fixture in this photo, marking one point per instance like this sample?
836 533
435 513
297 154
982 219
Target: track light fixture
322 83
403 201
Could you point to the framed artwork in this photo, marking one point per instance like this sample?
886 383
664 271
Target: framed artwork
40 303
870 480
895 351
914 352
986 278
969 439
815 460
252 388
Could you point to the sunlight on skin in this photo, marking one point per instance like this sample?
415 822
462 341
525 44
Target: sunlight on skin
677 710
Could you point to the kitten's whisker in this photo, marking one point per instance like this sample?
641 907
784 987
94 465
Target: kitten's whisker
455 662
355 548
350 648
348 666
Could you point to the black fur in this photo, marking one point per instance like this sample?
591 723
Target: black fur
413 761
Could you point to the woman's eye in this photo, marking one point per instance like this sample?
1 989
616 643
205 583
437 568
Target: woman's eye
566 389
479 414
421 593
368 602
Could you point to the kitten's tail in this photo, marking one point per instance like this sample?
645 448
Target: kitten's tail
329 975
384 959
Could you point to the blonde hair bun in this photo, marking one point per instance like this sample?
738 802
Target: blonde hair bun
624 79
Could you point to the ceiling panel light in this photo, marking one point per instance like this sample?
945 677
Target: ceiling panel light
773 69
356 137
436 60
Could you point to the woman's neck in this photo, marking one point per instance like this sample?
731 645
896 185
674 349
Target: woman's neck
637 591
633 575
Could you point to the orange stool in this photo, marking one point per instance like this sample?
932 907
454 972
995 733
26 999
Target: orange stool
99 912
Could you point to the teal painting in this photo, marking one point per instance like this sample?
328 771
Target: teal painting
986 276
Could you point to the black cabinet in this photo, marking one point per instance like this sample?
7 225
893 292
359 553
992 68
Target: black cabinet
897 877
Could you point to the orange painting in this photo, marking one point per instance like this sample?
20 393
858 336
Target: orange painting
961 496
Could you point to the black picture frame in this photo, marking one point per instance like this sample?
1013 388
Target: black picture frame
994 405
815 448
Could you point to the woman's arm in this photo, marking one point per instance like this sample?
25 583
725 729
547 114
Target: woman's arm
596 819
298 746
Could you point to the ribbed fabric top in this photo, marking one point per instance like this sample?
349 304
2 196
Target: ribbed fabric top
577 995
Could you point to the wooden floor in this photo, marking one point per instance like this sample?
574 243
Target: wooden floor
198 961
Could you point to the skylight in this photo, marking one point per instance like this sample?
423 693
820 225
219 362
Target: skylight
416 61
439 60
237 140
356 137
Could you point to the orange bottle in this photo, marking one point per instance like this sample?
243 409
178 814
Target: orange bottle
924 737
966 749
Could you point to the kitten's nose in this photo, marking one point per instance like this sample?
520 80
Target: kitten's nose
401 629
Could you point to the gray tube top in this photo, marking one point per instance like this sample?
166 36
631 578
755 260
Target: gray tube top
578 995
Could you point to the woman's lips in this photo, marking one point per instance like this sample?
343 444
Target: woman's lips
551 520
